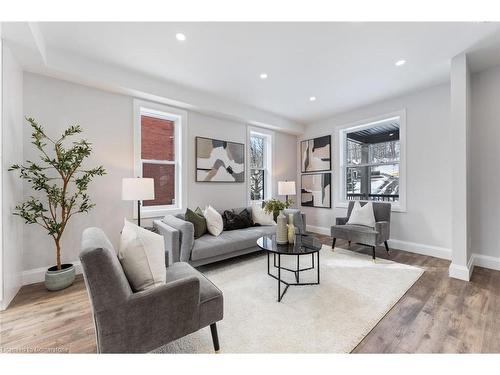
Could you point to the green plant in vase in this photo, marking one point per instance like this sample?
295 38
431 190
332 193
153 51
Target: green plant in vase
275 205
61 187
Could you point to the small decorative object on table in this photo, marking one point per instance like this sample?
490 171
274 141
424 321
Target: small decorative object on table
291 229
281 229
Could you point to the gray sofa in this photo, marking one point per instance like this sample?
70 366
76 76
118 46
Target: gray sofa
365 235
128 322
180 241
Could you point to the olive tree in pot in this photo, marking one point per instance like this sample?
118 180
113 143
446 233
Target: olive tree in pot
61 186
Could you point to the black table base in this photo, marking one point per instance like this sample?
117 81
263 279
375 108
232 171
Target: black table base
296 271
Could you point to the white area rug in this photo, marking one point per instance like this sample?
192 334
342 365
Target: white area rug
333 317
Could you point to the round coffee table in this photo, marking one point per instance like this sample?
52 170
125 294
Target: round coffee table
304 245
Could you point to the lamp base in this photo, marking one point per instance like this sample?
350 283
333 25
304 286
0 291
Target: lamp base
138 213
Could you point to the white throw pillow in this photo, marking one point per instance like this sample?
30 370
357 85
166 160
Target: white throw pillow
142 255
259 216
362 215
215 225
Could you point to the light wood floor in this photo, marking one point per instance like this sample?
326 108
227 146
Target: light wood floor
437 315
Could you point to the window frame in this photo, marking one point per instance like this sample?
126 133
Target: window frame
264 164
179 118
341 198
267 167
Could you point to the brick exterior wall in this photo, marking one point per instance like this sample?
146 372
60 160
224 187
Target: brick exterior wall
164 176
157 143
157 139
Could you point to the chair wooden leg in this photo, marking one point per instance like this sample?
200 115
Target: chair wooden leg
373 250
333 243
349 243
215 337
386 246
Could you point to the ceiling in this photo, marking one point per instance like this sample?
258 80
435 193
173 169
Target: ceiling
344 65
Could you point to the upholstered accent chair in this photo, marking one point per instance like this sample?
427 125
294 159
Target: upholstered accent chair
365 235
128 322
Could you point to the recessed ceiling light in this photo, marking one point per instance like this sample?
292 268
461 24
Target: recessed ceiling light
263 75
180 37
312 98
400 62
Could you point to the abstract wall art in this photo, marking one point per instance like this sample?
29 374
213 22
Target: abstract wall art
219 161
316 190
316 154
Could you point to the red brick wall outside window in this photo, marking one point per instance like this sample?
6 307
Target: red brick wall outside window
158 158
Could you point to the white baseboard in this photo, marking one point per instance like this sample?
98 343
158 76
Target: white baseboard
412 247
462 272
486 261
37 275
420 248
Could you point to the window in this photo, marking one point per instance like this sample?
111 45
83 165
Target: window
257 170
260 165
158 157
371 161
159 154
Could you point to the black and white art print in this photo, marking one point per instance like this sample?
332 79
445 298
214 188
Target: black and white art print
219 161
316 154
316 190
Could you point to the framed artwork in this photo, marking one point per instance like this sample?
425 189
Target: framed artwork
219 161
316 154
316 190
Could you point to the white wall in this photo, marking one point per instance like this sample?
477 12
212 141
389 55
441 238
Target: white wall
425 226
12 188
220 195
485 168
108 123
224 195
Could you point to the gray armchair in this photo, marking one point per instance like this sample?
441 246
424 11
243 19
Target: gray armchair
128 322
365 235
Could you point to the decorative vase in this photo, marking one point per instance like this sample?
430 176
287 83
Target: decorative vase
281 229
59 279
291 229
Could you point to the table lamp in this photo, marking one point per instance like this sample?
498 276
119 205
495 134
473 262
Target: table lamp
286 188
138 189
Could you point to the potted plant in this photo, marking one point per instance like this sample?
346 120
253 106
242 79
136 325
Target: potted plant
61 191
274 206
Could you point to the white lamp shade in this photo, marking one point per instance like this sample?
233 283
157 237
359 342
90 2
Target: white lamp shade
138 189
286 188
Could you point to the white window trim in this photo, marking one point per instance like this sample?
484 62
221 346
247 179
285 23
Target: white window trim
268 136
340 200
179 117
